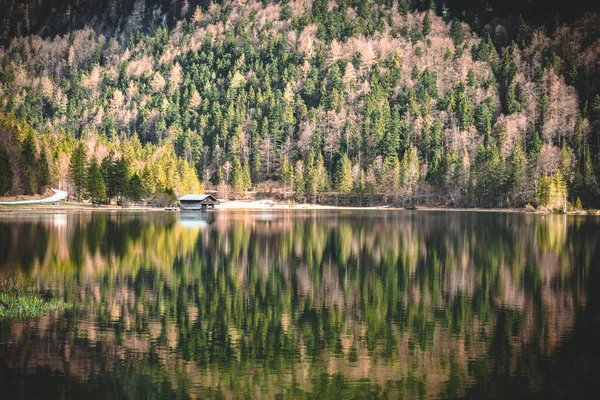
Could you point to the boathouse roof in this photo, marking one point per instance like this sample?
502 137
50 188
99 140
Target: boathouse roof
196 197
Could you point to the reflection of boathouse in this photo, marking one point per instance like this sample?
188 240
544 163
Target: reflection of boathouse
197 202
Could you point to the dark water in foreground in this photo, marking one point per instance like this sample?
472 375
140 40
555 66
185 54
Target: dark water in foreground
322 304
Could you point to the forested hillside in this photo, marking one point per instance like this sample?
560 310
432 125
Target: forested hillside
374 101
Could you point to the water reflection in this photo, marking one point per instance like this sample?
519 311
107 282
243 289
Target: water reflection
326 303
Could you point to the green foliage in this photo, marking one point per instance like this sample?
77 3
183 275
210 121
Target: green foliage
6 173
95 182
343 175
551 192
426 25
487 177
287 172
464 112
238 180
246 91
44 178
457 32
411 171
135 189
517 173
22 300
77 170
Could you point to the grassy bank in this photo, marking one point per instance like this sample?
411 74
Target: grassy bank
19 300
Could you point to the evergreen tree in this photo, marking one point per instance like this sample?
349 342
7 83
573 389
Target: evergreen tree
411 172
321 173
247 177
464 112
6 172
488 177
77 170
343 175
517 172
287 172
299 184
120 176
589 177
426 24
95 182
43 170
107 166
237 179
28 164
135 189
457 33
551 192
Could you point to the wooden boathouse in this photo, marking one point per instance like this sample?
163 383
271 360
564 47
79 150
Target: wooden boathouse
195 202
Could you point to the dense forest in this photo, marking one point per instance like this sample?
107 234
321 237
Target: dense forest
365 101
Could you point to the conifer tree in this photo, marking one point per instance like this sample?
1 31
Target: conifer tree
77 170
457 32
107 166
299 182
426 24
95 182
237 180
287 172
247 177
517 169
135 189
343 175
43 170
6 172
28 162
410 172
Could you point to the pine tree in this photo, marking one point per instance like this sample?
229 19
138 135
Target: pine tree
322 175
487 176
426 24
310 175
464 112
457 33
6 173
95 183
28 162
535 144
343 175
246 176
77 170
287 172
135 189
566 163
120 176
411 172
107 166
589 177
43 170
237 180
299 184
517 169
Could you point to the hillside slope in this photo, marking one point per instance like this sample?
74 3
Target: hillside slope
364 99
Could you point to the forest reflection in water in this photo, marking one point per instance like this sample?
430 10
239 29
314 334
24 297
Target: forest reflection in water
304 303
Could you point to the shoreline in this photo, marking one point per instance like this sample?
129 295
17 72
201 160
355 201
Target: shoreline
250 205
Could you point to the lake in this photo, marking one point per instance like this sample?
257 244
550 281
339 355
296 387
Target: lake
304 304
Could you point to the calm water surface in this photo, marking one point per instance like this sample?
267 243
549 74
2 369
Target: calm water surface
305 304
